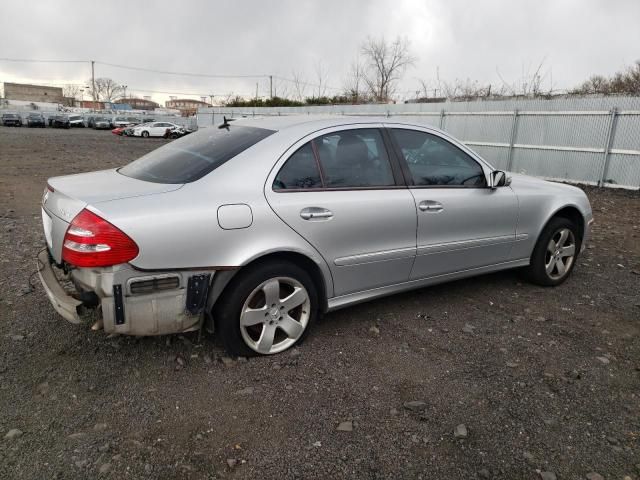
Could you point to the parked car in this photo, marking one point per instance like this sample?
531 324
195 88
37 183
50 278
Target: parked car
35 120
120 122
134 121
262 225
119 131
153 129
177 132
76 121
102 123
11 120
59 121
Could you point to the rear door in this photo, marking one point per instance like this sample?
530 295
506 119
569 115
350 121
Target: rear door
343 193
462 223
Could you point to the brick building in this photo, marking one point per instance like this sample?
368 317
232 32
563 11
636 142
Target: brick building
187 106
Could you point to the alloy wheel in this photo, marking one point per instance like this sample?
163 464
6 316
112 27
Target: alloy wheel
275 315
560 254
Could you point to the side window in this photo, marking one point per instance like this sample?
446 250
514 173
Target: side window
354 158
300 171
434 161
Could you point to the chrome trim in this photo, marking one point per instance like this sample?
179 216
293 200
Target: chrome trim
463 245
395 254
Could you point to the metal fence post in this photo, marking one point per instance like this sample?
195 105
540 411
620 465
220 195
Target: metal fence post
611 131
441 127
512 139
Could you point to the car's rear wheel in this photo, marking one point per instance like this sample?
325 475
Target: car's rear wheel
555 253
145 134
266 309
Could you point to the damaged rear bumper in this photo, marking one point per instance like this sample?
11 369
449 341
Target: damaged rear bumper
64 304
130 302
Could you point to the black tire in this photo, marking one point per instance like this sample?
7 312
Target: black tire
226 312
536 272
145 134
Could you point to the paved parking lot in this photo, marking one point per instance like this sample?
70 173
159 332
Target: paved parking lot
543 380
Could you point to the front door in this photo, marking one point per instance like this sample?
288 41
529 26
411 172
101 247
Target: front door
341 193
462 223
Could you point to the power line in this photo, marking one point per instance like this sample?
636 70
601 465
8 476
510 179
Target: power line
184 74
25 60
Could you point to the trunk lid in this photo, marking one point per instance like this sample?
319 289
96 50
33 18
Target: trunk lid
72 193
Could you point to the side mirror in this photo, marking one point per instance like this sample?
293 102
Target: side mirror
499 179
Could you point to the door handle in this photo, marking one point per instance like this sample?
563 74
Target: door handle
313 213
430 206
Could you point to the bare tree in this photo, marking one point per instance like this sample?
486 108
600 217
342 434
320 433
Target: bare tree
386 62
354 83
106 89
529 84
321 75
299 86
71 91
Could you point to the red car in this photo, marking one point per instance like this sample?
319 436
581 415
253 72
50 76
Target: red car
119 131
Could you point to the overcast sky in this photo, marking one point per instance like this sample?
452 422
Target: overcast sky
460 39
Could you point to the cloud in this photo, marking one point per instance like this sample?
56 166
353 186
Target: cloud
459 39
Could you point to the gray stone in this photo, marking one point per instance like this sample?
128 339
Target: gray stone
245 391
603 360
77 436
295 352
232 462
468 328
17 338
100 427
484 473
82 463
394 411
374 330
512 364
594 476
227 361
613 440
345 426
460 431
104 468
548 476
415 405
529 458
13 433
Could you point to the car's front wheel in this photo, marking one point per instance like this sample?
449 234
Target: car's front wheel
555 253
145 134
266 309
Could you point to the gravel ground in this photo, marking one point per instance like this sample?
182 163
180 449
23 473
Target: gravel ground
483 378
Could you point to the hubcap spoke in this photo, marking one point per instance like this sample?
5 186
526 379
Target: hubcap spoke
266 338
568 251
272 292
550 265
551 247
252 317
291 327
298 297
560 266
564 234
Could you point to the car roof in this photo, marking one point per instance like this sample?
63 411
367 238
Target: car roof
319 122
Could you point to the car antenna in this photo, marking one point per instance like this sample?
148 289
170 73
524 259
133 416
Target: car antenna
225 123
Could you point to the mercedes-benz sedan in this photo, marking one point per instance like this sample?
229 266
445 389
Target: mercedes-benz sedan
256 228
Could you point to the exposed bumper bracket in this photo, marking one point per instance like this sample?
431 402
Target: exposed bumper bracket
64 304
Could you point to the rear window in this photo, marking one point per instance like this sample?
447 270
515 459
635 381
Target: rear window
194 156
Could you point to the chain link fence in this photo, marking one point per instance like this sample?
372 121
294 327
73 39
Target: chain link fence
587 140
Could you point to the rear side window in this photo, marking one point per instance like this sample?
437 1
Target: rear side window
433 161
300 171
194 156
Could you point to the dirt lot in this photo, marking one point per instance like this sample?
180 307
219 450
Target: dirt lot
545 380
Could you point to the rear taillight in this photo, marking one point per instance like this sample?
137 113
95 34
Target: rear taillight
91 241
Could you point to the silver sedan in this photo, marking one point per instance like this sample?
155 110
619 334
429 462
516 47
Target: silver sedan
256 228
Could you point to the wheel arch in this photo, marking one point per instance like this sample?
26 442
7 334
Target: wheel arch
572 213
222 279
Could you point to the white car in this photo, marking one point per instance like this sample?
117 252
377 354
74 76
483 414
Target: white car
153 129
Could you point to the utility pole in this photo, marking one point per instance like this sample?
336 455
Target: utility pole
271 86
93 80
256 91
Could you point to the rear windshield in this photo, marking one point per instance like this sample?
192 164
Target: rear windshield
10 115
194 156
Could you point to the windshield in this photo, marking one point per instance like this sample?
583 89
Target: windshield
35 115
75 117
195 155
10 115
